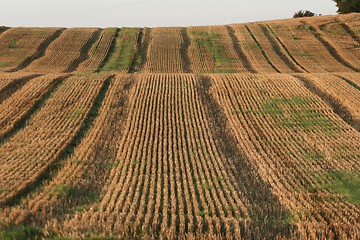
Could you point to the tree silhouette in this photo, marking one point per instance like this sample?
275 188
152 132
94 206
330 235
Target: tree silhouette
348 6
303 13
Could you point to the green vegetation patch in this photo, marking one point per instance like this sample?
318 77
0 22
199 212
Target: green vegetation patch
302 54
224 71
333 28
13 44
346 184
96 45
305 27
80 208
287 218
210 41
75 114
206 186
66 191
250 46
295 112
38 32
3 189
296 37
124 50
62 190
314 155
5 64
22 232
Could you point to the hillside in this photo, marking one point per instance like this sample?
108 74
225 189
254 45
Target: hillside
240 131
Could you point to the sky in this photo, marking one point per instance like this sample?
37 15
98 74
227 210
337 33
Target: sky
151 13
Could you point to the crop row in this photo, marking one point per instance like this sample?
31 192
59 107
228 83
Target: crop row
63 52
303 45
352 78
338 35
164 51
251 49
323 44
13 109
275 53
123 51
28 154
341 93
300 146
211 50
98 51
168 177
7 79
17 44
83 173
175 155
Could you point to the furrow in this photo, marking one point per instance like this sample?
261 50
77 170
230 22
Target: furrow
84 52
14 85
335 105
239 50
40 52
262 50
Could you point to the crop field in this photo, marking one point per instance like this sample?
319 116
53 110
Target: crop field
20 46
164 54
66 52
211 50
241 131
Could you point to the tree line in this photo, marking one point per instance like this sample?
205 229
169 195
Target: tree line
344 6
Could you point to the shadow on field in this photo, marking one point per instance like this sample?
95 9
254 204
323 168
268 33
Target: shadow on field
268 218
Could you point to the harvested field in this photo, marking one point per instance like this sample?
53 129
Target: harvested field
157 149
19 44
337 34
51 130
211 50
98 51
252 49
123 50
97 149
352 78
241 131
11 82
7 78
303 43
274 51
338 93
297 166
65 53
15 108
164 54
351 24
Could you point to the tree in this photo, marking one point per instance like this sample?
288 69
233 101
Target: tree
303 13
348 6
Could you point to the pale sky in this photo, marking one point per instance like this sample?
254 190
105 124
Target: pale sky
151 13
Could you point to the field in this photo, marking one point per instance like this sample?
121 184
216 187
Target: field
241 131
